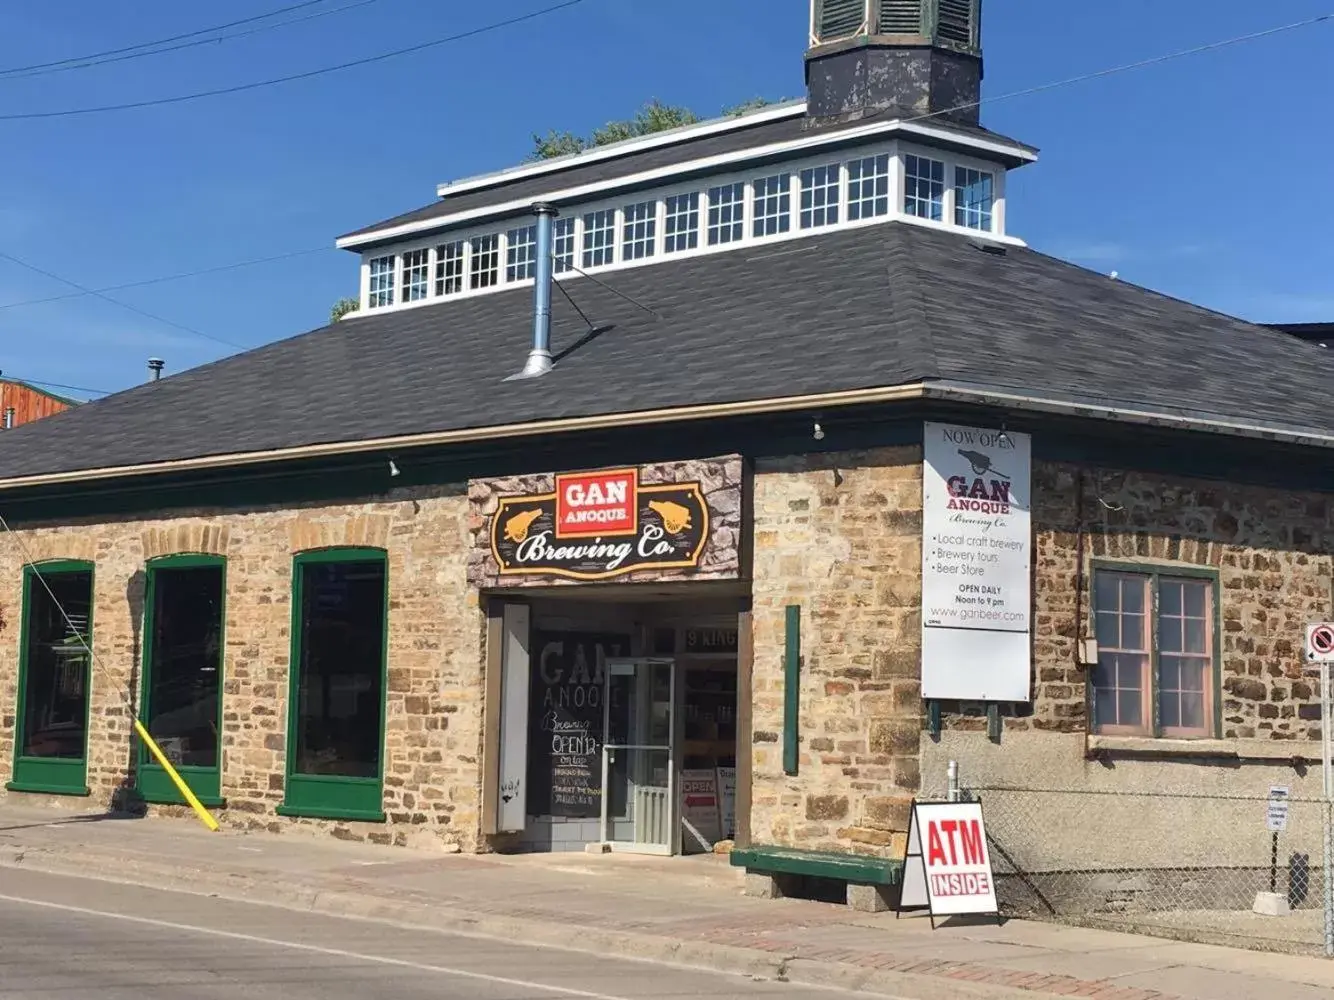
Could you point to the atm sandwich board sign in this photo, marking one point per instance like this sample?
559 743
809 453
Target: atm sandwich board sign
947 866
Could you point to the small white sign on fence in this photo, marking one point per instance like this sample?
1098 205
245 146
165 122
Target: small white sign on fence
1276 812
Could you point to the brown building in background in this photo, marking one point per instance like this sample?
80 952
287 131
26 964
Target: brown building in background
21 403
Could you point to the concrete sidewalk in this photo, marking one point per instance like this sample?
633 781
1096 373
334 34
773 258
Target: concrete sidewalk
687 911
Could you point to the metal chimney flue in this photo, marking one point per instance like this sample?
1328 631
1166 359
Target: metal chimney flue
9 418
539 358
155 366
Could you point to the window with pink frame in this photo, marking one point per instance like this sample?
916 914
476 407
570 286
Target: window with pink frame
1155 674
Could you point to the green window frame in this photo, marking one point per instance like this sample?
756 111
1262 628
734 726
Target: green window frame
329 795
153 783
41 773
1159 637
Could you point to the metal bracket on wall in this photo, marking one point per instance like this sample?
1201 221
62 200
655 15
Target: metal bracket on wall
791 688
993 723
933 719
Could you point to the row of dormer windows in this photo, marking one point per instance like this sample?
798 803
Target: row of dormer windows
720 213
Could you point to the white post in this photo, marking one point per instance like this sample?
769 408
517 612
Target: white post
952 791
1327 761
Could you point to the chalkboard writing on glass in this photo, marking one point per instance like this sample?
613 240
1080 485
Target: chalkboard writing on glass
567 684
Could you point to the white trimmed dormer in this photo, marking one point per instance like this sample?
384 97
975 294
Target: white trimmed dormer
903 154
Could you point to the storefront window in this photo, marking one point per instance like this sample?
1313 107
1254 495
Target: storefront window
183 645
54 679
341 669
184 663
336 733
55 711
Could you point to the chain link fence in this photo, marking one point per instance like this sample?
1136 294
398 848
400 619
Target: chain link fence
1180 866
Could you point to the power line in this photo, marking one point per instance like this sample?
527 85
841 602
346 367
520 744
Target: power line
217 269
1141 64
117 302
309 74
146 50
161 41
55 385
1309 22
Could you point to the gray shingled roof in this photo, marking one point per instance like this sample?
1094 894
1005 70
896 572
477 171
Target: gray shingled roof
578 173
879 306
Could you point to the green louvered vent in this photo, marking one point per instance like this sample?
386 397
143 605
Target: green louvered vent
835 19
957 22
900 17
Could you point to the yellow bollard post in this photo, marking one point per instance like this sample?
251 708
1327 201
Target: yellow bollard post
204 815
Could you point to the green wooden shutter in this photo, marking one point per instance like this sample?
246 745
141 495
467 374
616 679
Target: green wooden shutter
900 17
957 22
835 19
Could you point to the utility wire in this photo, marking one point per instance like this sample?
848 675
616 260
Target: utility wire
55 385
619 294
108 58
117 302
275 81
1211 46
216 269
96 660
1127 67
160 41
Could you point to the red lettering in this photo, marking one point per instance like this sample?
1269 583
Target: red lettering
957 486
978 491
1000 492
935 851
970 833
949 826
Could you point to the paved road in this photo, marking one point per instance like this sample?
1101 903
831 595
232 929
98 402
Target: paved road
66 938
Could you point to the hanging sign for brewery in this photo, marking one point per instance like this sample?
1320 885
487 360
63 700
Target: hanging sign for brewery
610 524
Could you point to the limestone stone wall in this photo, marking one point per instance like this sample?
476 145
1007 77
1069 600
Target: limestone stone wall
839 535
435 663
1272 552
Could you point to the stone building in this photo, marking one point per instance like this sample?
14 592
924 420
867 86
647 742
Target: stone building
874 486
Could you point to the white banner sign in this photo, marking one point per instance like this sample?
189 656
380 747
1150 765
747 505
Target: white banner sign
947 866
1276 810
727 799
977 542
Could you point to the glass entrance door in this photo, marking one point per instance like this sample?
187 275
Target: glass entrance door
639 809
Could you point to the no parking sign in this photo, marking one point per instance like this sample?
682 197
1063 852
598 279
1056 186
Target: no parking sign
1319 643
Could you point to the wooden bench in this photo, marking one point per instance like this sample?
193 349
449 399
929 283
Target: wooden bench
868 879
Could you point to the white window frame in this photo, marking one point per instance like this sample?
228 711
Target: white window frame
896 149
755 217
706 208
608 249
652 243
700 219
395 262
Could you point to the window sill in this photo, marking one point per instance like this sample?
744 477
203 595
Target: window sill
37 789
1284 751
316 812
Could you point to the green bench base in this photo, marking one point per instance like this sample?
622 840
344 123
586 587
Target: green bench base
768 869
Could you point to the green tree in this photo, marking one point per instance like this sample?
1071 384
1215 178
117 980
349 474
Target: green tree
341 308
652 117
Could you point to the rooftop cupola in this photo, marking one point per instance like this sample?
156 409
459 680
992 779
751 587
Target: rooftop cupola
900 57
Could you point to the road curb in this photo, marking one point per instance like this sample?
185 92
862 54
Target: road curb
447 917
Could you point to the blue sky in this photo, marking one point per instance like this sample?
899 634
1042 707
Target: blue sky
1186 177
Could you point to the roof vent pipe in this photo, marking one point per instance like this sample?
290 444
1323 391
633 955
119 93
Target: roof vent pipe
155 366
9 418
539 358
